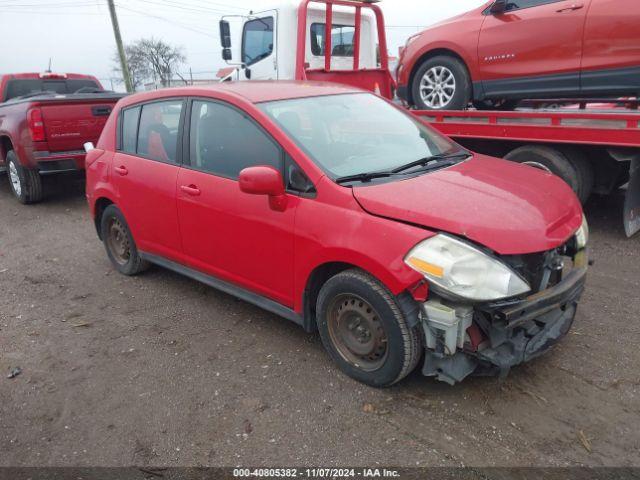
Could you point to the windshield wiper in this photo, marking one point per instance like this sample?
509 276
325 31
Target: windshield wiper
364 177
434 161
429 163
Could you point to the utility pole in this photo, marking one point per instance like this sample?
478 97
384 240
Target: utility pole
123 58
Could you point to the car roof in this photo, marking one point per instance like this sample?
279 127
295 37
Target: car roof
254 91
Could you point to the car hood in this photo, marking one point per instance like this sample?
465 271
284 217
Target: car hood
507 207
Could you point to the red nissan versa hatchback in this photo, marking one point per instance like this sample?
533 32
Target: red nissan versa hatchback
509 50
338 210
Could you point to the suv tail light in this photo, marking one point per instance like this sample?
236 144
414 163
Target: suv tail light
36 125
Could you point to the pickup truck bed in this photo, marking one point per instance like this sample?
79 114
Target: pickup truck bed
44 134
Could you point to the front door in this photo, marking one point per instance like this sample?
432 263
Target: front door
145 171
227 233
535 48
259 49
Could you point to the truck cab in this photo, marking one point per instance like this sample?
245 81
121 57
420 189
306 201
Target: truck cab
340 41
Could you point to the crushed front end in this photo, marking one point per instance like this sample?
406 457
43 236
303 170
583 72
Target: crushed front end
464 338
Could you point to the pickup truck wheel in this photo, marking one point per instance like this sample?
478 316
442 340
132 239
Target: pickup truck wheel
118 241
364 331
441 83
26 184
550 160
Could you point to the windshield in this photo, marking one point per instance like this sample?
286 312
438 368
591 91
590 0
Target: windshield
357 133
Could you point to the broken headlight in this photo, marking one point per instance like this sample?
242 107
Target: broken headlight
465 271
582 235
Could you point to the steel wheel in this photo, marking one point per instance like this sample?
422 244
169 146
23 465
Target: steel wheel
538 165
118 241
357 332
437 87
15 179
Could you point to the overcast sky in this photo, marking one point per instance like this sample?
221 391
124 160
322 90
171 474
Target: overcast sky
77 34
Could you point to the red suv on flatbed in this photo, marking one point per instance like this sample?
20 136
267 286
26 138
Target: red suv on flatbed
340 211
509 50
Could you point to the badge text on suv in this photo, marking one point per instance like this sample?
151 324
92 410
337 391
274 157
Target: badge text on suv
335 209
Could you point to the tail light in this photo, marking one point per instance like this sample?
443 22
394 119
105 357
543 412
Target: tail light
36 125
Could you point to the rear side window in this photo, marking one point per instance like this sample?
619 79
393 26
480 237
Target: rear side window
257 40
19 87
129 137
341 40
224 141
158 130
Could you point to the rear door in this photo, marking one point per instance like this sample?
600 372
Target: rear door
227 233
145 170
259 49
535 48
611 60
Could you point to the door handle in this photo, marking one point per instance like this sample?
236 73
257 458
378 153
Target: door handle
191 190
570 8
121 171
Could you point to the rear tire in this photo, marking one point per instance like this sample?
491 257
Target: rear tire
441 83
119 243
585 171
550 160
364 330
26 184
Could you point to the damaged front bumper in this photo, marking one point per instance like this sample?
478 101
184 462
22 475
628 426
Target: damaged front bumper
502 335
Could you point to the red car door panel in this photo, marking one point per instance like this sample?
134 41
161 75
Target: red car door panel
611 59
147 198
226 233
543 39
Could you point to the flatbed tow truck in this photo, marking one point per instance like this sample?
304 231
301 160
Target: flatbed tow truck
594 150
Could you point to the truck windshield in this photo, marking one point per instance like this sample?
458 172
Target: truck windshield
20 87
358 133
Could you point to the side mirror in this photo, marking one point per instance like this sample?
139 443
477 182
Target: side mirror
225 34
499 7
264 180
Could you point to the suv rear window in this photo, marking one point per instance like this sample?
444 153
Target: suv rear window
20 87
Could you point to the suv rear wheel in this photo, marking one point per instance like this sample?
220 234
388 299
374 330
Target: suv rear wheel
26 184
441 83
364 331
118 242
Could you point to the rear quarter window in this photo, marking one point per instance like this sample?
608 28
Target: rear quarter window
129 129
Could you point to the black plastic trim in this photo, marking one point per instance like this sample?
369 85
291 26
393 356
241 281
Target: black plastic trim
239 292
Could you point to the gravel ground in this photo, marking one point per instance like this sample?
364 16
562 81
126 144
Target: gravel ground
160 370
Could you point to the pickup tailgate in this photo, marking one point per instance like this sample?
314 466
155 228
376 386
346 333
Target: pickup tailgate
73 120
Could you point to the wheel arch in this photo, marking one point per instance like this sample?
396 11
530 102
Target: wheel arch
6 145
431 53
99 207
323 272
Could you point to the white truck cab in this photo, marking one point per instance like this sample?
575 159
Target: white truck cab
288 41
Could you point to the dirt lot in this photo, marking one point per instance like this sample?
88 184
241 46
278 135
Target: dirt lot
160 370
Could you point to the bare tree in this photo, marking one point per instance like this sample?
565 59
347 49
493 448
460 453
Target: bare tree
138 65
163 59
152 59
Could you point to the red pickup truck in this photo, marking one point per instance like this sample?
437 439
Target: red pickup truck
45 119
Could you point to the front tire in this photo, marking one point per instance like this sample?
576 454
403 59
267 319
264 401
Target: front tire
441 83
364 330
26 184
119 243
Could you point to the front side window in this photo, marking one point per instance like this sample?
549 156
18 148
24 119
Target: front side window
357 133
341 40
225 141
520 4
257 40
158 130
